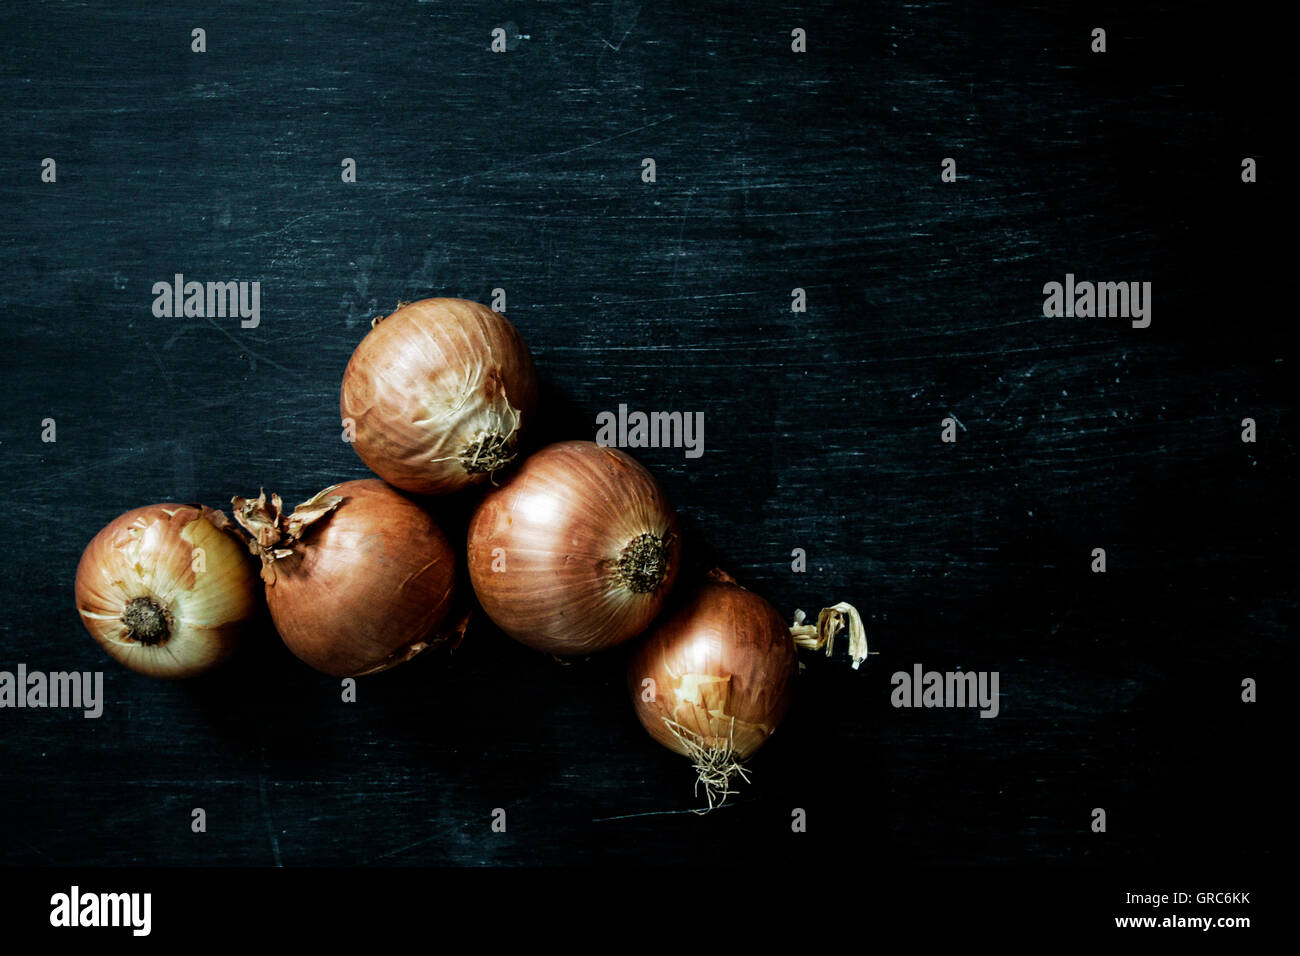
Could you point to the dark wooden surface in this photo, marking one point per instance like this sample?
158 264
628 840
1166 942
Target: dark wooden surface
774 170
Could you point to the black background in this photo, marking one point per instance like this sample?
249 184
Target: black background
775 170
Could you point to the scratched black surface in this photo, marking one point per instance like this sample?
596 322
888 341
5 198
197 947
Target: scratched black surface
774 170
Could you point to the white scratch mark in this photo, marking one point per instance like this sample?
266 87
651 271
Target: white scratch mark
657 813
562 152
677 257
266 813
635 13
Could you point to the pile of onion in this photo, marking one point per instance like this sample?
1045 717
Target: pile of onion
437 394
166 589
713 681
358 579
576 551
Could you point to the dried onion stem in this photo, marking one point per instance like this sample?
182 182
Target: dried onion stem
830 622
268 526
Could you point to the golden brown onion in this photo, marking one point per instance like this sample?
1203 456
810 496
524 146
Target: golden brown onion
576 551
438 393
713 681
358 579
165 590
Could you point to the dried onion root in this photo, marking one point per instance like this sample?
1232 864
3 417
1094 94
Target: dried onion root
715 764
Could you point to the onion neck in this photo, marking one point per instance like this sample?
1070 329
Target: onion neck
268 525
643 563
146 621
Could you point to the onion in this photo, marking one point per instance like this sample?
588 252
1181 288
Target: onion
713 681
165 590
719 673
438 393
576 551
358 579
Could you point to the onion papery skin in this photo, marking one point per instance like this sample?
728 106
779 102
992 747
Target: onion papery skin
585 546
439 393
725 654
367 586
149 554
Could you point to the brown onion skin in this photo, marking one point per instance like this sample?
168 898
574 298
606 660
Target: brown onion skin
724 631
208 610
563 519
368 586
423 382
